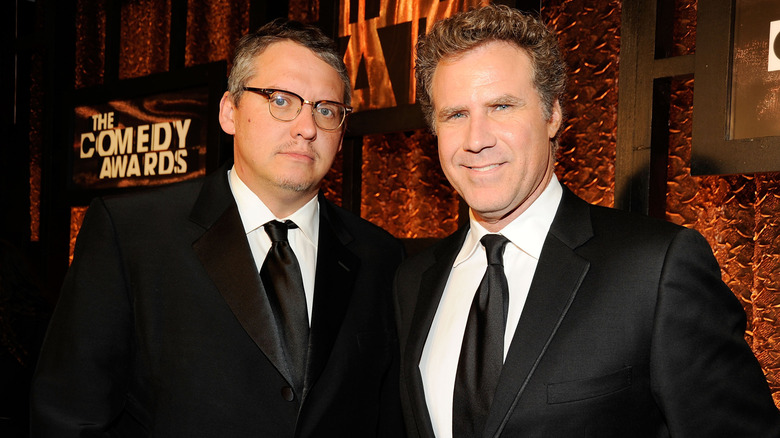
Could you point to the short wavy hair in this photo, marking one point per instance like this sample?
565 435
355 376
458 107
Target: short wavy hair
253 44
465 31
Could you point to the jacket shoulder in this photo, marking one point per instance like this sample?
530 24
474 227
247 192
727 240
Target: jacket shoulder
164 205
606 218
577 221
168 196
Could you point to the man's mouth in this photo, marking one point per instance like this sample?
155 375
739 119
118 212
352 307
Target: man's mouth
483 168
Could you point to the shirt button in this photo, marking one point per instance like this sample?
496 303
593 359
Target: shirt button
288 394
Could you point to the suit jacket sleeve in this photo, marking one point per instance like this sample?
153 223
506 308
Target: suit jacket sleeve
83 371
704 376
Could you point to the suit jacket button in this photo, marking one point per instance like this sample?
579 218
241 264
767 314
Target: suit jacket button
288 394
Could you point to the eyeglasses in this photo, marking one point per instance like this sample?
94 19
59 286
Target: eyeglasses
286 105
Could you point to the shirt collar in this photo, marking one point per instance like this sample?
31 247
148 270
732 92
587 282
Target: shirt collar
527 232
254 213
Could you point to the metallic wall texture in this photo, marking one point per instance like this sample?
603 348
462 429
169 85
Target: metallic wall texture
90 43
213 28
590 40
404 189
144 40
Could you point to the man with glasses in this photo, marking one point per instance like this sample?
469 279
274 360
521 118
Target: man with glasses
245 304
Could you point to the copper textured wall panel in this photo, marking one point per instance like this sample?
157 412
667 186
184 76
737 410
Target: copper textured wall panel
404 189
682 190
305 11
590 40
144 38
36 144
766 280
213 28
684 28
90 43
333 183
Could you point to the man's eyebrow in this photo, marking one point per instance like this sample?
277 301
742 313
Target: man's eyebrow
449 110
506 99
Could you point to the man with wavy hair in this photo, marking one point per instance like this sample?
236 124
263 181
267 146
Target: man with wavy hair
546 316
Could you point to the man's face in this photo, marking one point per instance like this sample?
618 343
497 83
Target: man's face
494 140
283 162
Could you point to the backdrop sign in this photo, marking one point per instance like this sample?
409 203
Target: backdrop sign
149 140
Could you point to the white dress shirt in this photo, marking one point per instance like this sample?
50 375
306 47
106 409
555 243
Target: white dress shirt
439 361
303 240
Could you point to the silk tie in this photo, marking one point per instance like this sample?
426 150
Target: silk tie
482 352
282 279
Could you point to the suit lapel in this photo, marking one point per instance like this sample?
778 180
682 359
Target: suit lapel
558 276
225 254
432 284
334 282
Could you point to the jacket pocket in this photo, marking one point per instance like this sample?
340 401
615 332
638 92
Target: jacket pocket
588 388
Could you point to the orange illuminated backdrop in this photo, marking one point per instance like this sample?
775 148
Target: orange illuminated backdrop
380 36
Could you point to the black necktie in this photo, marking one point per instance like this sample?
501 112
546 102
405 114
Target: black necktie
482 352
281 276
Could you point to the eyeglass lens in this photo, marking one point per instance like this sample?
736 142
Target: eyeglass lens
286 106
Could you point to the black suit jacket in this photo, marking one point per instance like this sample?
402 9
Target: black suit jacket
163 327
627 331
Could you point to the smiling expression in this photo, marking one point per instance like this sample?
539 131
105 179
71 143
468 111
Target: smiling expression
494 140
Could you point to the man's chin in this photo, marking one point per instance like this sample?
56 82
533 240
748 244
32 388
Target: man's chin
495 212
296 186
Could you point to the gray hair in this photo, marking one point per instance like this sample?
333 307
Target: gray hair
253 44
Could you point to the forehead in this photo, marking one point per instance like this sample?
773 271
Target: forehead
493 65
291 66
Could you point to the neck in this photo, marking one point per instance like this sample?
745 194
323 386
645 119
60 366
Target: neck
284 204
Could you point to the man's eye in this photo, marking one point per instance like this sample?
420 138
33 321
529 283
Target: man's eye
279 100
451 116
501 106
326 111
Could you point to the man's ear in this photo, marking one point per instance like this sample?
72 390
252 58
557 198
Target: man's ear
226 113
554 124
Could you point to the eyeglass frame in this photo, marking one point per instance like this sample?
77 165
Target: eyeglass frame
268 92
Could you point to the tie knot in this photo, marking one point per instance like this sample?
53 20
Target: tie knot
277 231
494 247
